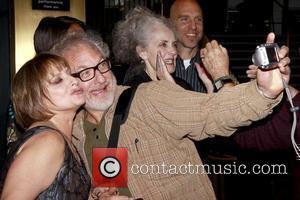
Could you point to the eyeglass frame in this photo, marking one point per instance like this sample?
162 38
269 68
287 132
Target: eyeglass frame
96 67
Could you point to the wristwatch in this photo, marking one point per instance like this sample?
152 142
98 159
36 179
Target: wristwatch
220 82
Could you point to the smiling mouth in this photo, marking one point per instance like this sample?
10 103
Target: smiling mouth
191 34
99 91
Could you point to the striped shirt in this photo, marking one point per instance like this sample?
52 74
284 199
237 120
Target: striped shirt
190 74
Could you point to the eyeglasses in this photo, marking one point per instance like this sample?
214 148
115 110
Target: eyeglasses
89 73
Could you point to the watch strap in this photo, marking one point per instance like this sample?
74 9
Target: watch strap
220 82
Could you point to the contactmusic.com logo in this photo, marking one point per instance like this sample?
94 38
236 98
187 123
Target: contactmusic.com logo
110 167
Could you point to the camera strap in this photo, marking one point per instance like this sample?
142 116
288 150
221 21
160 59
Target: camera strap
120 115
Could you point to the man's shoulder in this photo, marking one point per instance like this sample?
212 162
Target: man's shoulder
120 89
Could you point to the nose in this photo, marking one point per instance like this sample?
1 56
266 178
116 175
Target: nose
173 50
193 24
99 77
74 81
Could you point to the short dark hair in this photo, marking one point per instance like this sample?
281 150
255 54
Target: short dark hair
51 29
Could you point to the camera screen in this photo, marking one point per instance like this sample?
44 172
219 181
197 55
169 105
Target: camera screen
272 56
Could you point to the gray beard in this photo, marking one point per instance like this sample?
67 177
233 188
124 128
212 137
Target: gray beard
96 105
100 106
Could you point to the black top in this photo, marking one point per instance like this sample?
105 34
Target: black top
72 180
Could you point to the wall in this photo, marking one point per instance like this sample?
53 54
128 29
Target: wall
26 21
4 74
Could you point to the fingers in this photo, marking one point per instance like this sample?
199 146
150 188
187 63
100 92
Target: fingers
120 198
161 64
252 71
224 50
252 67
110 193
270 81
215 59
99 190
115 198
158 63
283 52
270 38
285 70
113 191
284 62
203 52
251 74
161 69
213 46
200 70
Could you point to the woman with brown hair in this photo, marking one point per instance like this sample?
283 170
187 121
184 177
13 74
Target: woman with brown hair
43 163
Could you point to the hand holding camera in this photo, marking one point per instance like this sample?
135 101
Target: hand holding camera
266 56
269 80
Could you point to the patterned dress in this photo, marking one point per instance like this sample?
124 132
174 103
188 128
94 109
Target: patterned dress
72 180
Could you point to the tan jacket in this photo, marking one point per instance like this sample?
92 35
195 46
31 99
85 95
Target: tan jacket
163 119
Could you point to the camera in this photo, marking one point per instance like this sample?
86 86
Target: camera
266 56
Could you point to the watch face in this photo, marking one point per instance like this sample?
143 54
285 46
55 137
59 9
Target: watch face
219 84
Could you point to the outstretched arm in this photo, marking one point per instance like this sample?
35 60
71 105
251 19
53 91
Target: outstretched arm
200 115
272 133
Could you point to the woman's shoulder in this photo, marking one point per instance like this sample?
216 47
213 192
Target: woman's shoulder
36 161
43 140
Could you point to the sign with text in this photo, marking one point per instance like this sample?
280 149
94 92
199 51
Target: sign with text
63 5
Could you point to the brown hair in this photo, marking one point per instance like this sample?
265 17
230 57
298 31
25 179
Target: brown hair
29 89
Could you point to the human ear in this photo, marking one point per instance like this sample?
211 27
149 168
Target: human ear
141 52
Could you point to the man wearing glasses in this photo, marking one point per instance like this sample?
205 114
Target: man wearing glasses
162 121
89 73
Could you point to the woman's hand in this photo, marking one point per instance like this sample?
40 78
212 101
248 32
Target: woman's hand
252 71
215 59
270 81
161 69
108 193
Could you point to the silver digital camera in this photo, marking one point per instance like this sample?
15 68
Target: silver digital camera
266 56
